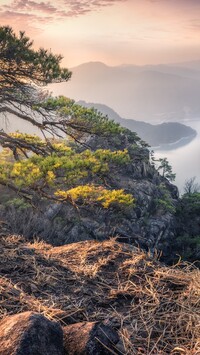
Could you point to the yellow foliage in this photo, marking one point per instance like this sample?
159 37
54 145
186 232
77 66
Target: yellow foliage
63 166
25 171
50 177
91 193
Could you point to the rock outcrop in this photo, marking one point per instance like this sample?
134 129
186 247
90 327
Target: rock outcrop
90 338
28 333
149 224
31 333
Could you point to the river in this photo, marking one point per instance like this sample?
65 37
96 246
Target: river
185 160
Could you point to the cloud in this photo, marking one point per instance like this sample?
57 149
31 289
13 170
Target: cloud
32 15
194 24
25 6
59 9
176 3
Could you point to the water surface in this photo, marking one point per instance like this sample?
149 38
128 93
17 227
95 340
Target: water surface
185 160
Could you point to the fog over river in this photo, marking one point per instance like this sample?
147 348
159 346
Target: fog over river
185 160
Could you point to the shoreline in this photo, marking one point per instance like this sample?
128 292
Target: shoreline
177 144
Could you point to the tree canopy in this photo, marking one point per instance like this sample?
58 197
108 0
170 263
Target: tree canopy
21 64
53 166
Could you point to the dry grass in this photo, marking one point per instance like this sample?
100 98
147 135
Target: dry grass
156 308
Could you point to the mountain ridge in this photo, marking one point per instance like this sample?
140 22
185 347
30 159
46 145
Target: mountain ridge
147 93
155 135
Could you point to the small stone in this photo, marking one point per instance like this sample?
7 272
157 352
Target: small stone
90 338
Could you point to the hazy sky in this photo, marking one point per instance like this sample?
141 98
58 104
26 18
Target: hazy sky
112 31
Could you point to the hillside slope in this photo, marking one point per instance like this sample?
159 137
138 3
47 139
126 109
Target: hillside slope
156 309
155 135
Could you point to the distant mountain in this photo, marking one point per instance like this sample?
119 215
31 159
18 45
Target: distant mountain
181 70
151 93
155 135
195 64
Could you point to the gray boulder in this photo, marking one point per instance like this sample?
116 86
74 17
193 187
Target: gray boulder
30 334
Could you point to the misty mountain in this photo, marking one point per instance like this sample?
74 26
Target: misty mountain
151 93
154 135
194 65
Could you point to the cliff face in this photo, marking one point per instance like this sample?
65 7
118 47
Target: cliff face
159 221
149 224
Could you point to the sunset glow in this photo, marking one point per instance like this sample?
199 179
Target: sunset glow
111 31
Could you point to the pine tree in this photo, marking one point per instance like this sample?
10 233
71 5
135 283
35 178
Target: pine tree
51 167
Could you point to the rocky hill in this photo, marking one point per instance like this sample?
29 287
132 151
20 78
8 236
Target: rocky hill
150 223
143 306
94 269
158 221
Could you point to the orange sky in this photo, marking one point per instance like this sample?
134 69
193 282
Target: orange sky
111 31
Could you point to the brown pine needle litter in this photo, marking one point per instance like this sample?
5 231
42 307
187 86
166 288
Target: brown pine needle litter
155 308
